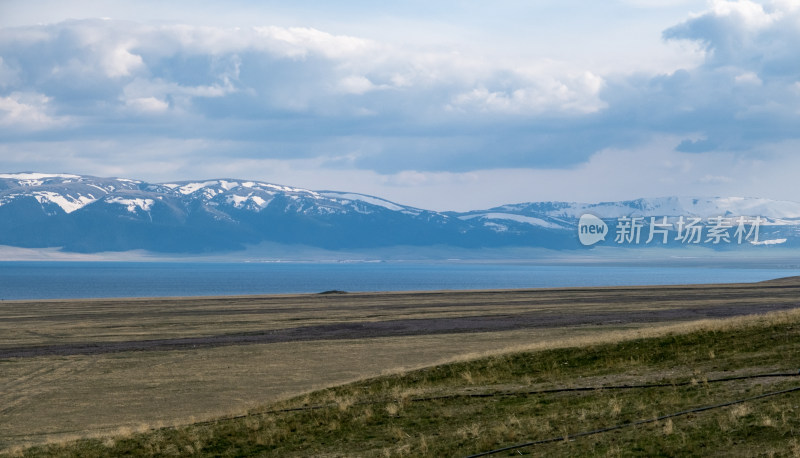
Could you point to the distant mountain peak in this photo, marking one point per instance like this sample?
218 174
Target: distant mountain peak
89 214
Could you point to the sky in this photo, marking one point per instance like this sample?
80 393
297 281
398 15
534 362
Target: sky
445 105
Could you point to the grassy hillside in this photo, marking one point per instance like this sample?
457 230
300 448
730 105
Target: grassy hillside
468 407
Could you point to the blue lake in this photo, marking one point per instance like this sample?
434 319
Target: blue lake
60 280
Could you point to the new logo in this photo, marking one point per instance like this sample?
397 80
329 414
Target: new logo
591 229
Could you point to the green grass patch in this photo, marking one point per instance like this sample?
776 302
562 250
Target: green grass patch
394 415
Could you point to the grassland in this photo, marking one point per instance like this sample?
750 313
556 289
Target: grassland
150 402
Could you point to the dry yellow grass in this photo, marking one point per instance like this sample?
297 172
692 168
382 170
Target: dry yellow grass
100 320
47 399
58 398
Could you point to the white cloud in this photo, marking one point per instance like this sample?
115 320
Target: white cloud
577 94
356 84
121 62
750 13
745 33
27 110
300 105
147 104
152 94
171 59
301 41
748 78
89 47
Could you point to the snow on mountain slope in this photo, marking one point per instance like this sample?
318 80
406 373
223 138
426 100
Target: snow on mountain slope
35 179
249 201
132 204
256 196
67 202
702 207
65 191
211 188
345 196
770 242
511 217
191 188
349 197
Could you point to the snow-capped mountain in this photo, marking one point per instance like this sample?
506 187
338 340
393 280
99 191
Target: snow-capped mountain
91 214
73 192
703 207
565 214
64 191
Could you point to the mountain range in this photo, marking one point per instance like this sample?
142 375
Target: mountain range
86 214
